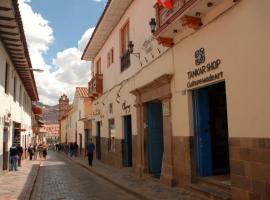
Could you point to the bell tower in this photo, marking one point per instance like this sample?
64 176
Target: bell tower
63 106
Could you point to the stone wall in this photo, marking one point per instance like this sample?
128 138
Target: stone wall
183 160
250 168
109 157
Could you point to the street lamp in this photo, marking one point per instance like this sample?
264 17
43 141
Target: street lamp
29 69
23 69
131 48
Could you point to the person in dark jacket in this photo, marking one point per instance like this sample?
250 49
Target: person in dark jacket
30 151
90 152
20 149
14 156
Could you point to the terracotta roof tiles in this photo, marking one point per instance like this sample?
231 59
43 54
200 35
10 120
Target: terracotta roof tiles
82 92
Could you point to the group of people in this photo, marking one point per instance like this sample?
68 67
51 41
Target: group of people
72 149
40 150
16 152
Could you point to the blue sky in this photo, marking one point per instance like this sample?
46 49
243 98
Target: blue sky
57 32
69 20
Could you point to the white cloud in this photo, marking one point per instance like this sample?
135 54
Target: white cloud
85 38
71 71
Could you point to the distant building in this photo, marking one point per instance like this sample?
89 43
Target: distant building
73 119
52 133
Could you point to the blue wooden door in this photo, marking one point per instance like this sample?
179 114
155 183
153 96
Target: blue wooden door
127 143
203 132
154 137
98 143
87 137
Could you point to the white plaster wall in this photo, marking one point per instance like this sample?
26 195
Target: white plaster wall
78 105
19 113
240 38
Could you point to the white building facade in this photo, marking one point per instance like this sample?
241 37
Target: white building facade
17 83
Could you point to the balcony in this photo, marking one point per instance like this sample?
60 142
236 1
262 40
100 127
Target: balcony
95 85
185 16
125 61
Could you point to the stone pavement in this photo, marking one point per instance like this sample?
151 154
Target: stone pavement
61 179
143 188
19 184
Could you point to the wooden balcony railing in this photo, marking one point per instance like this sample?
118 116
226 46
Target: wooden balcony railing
95 85
165 17
125 61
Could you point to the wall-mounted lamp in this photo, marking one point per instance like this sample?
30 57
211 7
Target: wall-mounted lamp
131 49
153 25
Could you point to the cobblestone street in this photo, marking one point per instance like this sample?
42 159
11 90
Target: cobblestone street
60 178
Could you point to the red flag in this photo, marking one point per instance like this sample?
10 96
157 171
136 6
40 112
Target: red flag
165 3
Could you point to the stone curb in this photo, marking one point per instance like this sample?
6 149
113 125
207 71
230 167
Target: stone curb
29 192
128 190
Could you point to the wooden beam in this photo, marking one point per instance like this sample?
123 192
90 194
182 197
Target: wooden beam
10 39
12 49
166 42
9 33
6 18
16 53
7 26
191 22
12 44
5 8
17 57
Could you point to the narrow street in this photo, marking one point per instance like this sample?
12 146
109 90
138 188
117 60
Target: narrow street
60 178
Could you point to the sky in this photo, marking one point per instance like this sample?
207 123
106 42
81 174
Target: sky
57 32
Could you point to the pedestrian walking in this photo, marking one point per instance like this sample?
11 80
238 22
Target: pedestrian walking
76 147
20 149
90 152
40 149
14 156
44 151
30 151
35 151
71 149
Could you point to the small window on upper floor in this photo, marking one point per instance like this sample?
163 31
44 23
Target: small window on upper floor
125 55
98 67
110 58
7 78
15 89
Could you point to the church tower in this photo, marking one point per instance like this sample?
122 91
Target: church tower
63 106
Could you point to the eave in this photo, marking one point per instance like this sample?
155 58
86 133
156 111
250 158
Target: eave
110 17
13 38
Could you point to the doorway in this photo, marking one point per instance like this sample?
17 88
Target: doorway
5 149
154 121
80 136
127 142
98 143
87 138
211 130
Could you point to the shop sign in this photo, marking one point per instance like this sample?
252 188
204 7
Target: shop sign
166 108
205 73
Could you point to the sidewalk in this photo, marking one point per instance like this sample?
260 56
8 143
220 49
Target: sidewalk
19 184
143 188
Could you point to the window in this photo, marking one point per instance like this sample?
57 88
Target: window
110 58
98 66
15 89
20 95
111 108
124 32
111 140
7 79
125 55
